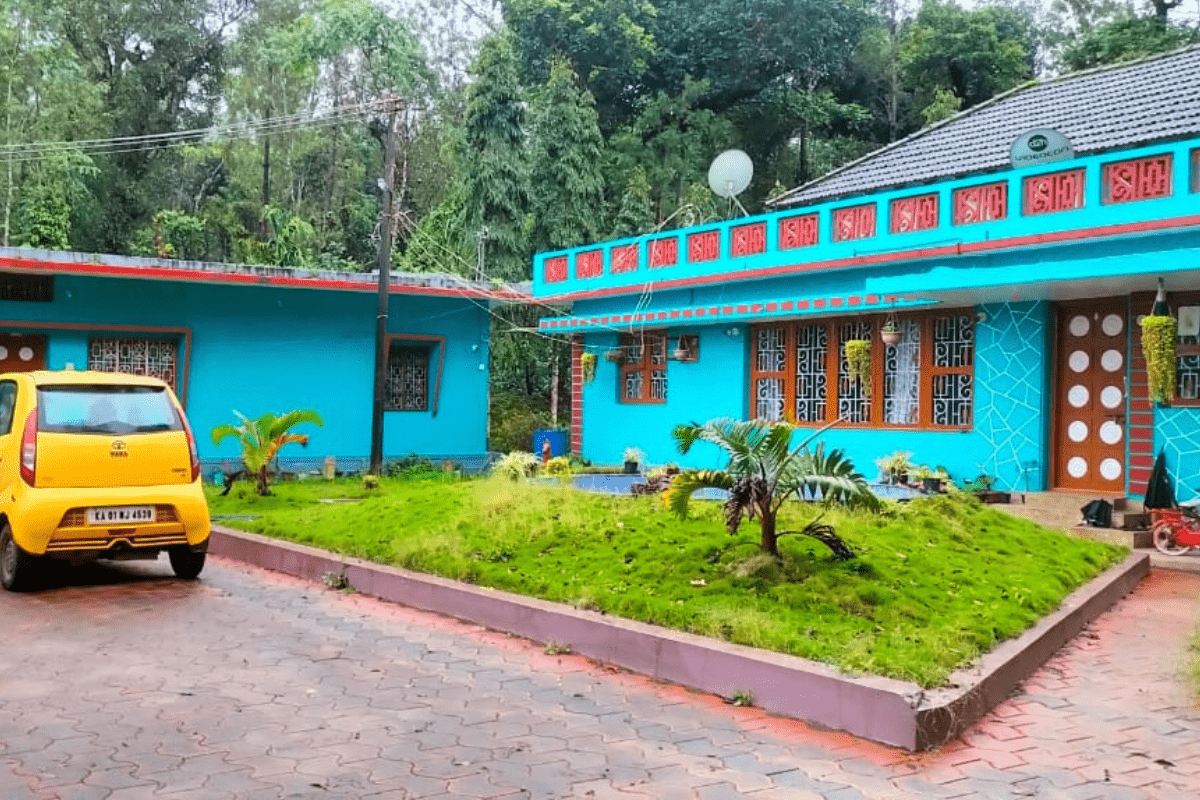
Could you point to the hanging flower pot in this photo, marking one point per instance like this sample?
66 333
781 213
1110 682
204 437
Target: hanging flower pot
890 333
1158 346
858 360
616 356
587 363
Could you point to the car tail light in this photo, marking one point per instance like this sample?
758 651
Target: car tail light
29 449
192 453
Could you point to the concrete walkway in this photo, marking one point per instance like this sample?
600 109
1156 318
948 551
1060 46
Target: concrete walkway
127 684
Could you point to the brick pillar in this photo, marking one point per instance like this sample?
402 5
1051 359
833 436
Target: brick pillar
577 394
1141 411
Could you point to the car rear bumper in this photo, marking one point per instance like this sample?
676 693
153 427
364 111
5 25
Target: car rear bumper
55 521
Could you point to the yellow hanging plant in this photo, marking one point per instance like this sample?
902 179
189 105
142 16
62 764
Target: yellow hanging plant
858 359
1158 346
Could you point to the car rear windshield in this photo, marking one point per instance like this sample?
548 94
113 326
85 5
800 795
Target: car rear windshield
117 410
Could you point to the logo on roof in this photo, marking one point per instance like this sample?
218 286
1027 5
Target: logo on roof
1040 146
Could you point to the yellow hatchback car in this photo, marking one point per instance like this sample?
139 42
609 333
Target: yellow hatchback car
96 465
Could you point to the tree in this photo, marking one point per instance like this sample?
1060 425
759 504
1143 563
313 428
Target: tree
261 439
567 182
609 44
975 54
495 161
672 141
796 43
634 215
1124 40
160 67
764 471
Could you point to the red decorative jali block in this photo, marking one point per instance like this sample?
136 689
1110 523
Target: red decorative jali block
799 231
749 240
704 246
624 258
981 203
554 270
855 222
1139 179
664 252
589 264
914 213
1059 191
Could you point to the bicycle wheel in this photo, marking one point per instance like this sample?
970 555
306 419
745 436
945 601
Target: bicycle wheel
1164 540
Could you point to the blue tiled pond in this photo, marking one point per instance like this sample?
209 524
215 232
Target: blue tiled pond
623 484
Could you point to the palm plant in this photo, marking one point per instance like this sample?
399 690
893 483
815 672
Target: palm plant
261 439
764 470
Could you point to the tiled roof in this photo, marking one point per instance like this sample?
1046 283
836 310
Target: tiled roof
1153 99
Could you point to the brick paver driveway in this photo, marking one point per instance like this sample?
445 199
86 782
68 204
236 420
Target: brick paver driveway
125 684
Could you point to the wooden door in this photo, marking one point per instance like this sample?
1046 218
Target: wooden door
22 352
1091 397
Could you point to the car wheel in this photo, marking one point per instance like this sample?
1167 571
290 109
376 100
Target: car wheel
16 565
187 565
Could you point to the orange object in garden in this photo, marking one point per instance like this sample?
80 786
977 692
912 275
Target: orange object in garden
545 451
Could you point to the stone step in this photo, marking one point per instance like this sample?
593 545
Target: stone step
1071 519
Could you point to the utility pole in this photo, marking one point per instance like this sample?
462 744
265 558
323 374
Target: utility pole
385 132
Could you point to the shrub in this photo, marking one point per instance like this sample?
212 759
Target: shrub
560 465
516 465
412 466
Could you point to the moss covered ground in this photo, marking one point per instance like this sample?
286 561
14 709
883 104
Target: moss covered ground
937 581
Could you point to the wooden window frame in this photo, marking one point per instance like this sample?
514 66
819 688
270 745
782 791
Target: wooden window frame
833 355
643 365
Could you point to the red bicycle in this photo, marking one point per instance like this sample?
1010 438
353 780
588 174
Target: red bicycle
1175 530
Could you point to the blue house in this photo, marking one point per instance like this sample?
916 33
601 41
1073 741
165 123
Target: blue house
265 339
1015 293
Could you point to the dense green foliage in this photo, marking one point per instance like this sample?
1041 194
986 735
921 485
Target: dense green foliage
526 125
937 582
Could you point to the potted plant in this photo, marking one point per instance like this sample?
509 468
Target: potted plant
633 459
1159 332
930 482
890 332
858 360
896 466
981 487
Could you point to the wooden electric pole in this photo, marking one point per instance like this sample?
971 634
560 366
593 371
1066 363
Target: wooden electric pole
385 131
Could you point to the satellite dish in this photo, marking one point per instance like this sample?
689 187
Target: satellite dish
730 173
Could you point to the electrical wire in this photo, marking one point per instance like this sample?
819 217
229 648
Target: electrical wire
33 151
644 299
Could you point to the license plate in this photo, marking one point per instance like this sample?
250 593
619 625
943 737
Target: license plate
120 514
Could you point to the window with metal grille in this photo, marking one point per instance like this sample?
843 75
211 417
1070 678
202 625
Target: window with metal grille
407 387
644 368
156 358
925 380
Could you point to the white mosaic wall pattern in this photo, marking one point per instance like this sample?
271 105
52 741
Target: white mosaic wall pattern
1177 433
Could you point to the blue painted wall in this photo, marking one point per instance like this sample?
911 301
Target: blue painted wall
1008 439
1177 434
258 349
1093 214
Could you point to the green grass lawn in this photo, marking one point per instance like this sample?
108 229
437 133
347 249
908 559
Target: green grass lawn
938 581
